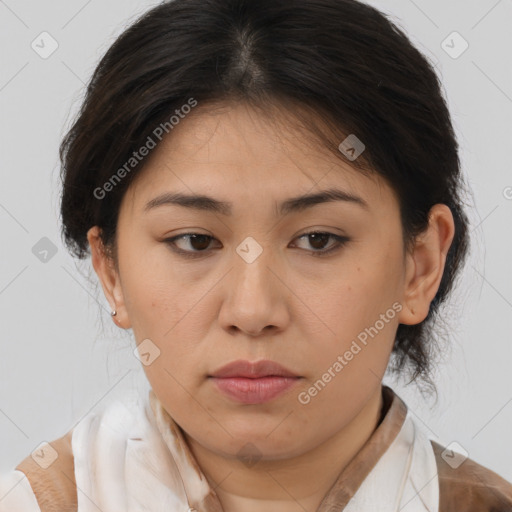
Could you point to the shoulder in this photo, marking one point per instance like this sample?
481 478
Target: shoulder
51 474
48 479
469 486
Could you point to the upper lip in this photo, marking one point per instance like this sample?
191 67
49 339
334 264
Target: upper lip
254 370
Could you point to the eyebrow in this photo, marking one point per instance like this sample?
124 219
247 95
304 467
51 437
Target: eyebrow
292 205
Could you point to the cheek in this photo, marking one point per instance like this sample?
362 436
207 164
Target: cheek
169 314
358 312
154 297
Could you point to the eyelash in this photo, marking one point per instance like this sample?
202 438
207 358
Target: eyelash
340 242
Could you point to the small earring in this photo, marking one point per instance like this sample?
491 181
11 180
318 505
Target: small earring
113 313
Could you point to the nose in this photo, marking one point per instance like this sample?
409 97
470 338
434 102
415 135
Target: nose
255 297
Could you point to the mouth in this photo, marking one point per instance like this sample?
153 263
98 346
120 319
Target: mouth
253 382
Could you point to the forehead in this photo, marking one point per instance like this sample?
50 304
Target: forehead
240 153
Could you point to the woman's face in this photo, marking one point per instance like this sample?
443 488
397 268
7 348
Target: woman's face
255 287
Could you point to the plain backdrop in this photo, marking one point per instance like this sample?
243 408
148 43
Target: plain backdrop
61 355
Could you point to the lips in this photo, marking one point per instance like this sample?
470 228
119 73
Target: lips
253 383
253 370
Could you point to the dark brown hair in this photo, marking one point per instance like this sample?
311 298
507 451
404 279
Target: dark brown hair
348 67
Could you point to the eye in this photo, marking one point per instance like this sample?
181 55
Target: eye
200 243
318 240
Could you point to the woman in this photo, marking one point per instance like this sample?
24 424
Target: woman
307 146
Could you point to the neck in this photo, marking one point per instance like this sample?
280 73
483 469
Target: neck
296 484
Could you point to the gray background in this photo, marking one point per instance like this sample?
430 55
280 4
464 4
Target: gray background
62 356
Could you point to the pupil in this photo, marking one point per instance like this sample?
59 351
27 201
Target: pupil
318 237
203 238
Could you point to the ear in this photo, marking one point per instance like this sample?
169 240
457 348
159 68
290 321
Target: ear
425 265
109 277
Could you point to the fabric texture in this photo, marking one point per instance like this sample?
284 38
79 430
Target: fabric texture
132 457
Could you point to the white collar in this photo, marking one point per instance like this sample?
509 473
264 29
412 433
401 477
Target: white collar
132 457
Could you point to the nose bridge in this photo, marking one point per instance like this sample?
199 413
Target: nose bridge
251 298
252 264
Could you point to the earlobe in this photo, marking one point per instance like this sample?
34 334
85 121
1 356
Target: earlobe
109 277
426 263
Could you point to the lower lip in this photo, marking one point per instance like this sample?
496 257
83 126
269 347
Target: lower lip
254 391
